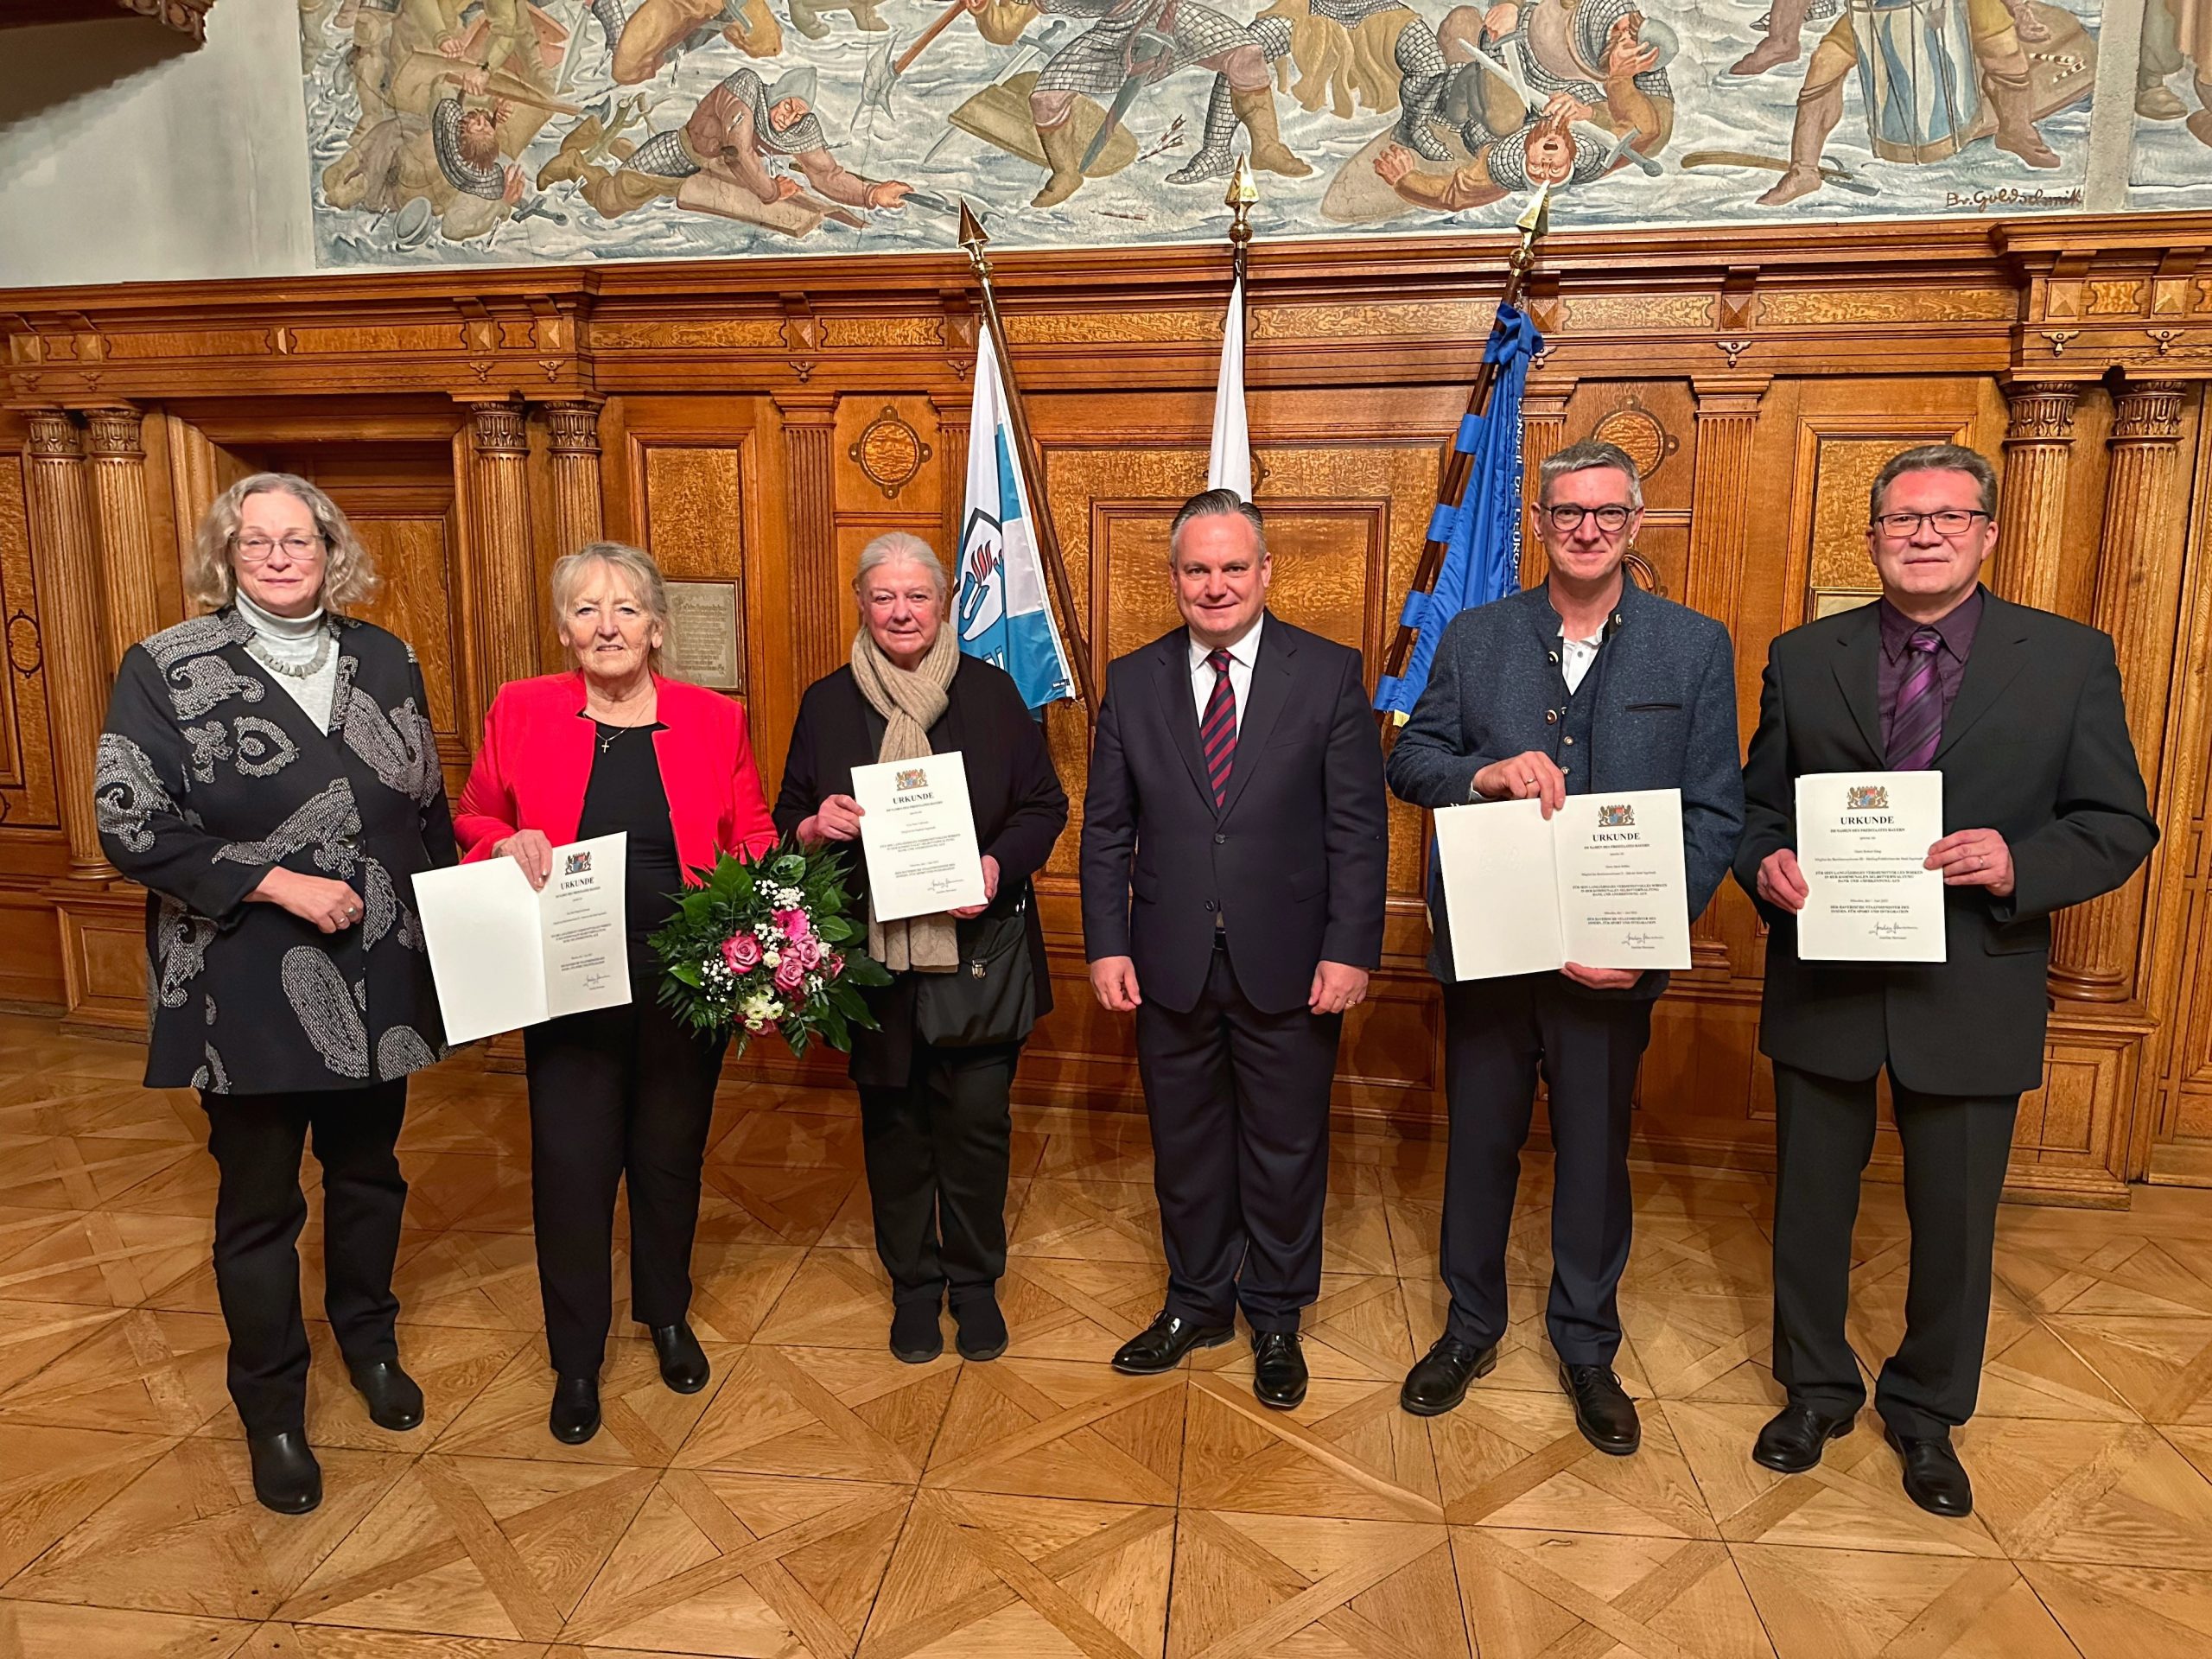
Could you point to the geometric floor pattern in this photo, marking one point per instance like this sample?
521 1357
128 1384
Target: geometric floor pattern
819 1498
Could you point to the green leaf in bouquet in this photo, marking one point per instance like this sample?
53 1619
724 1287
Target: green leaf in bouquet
864 970
834 930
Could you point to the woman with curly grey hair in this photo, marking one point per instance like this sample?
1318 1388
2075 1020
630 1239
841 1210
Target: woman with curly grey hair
268 772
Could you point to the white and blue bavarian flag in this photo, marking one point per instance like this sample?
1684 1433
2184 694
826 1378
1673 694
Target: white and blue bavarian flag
1002 613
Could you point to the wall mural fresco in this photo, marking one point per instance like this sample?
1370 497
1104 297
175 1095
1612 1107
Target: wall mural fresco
2173 106
450 131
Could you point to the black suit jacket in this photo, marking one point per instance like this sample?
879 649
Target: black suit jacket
1293 862
2036 748
1013 794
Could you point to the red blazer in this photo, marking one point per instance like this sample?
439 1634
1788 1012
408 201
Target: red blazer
537 755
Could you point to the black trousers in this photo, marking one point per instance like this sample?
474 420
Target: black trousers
1499 1034
615 1093
1239 1105
935 1153
1955 1150
257 1140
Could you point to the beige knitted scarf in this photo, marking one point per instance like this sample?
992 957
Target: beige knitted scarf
911 703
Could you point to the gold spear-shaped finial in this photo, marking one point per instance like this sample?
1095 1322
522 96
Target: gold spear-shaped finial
1242 197
1534 222
973 239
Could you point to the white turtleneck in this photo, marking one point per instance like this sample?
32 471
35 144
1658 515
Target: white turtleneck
293 640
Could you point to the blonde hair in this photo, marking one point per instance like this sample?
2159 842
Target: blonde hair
349 575
632 563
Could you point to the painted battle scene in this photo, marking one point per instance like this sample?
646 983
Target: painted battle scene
509 132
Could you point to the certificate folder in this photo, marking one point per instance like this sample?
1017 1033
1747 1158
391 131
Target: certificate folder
505 956
1600 883
1862 846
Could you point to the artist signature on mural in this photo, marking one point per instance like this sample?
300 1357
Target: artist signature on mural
2011 196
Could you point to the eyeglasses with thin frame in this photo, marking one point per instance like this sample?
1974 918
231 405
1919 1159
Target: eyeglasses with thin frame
255 549
1949 521
1567 518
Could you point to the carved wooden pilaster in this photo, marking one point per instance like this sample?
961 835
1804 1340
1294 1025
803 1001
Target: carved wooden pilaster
66 550
129 573
2032 509
952 448
1543 434
195 479
824 628
1721 515
572 434
502 567
2138 569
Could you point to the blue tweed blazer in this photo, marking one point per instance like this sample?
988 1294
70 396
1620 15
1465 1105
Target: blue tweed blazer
1663 717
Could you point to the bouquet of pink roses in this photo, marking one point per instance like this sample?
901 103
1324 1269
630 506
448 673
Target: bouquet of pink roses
768 944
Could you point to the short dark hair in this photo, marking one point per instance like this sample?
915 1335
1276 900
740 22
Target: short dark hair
1936 458
1586 456
1218 503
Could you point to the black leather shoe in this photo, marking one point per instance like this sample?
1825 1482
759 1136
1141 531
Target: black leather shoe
1934 1477
1603 1410
1793 1441
916 1336
1161 1345
574 1417
682 1362
1437 1382
978 1327
1278 1368
394 1399
286 1477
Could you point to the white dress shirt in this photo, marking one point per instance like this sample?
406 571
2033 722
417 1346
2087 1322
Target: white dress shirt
1242 656
1575 656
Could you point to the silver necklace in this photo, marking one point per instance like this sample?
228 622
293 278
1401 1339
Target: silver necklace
306 671
607 736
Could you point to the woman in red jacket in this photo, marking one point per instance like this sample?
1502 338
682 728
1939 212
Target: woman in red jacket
623 1091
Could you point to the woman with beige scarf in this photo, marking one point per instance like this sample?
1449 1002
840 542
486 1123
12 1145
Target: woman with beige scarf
934 1119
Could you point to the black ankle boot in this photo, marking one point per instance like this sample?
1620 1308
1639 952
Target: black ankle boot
394 1399
286 1477
574 1417
682 1362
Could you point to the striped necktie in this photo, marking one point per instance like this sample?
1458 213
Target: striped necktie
1217 729
1916 724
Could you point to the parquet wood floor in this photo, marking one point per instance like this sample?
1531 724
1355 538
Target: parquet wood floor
820 1499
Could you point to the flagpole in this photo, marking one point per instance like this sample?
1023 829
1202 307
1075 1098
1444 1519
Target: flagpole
1532 225
1242 194
972 241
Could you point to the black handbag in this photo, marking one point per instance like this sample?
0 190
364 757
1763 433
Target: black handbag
991 997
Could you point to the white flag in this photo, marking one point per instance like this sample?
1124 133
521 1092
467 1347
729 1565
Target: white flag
1229 465
1003 614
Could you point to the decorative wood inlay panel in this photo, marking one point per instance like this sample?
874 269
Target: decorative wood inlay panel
1786 307
1609 312
810 428
890 453
695 517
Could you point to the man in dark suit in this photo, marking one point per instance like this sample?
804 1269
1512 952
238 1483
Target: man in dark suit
1582 684
1233 852
2043 807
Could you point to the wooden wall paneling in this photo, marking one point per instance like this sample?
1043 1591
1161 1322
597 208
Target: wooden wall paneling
504 563
27 770
133 603
2175 1138
704 493
64 551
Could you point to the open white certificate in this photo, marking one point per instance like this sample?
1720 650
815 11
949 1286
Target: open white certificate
918 837
1600 884
505 956
1862 839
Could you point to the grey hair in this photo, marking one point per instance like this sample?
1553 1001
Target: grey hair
1589 455
633 563
895 546
1936 458
1218 503
349 575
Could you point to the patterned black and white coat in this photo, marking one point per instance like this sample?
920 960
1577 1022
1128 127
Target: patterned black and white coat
210 775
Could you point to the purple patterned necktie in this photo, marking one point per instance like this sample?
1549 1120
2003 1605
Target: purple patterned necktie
1917 725
1217 729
